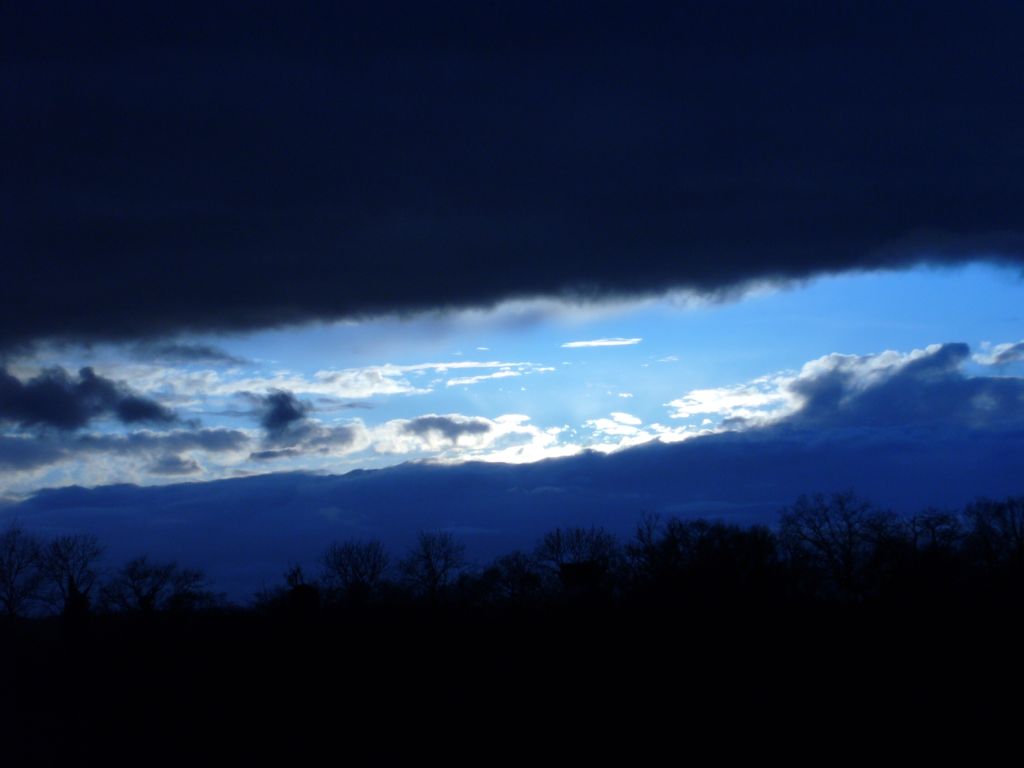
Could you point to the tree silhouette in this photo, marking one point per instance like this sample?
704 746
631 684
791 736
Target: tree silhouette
433 564
837 538
21 574
68 563
709 560
141 586
513 577
583 558
564 546
996 537
354 569
301 598
935 531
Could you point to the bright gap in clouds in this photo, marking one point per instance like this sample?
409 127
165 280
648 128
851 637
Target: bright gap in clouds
505 385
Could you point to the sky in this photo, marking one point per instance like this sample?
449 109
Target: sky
270 241
520 382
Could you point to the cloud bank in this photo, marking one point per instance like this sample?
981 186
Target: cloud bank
895 395
28 452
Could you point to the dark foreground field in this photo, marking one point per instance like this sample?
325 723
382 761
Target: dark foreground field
384 687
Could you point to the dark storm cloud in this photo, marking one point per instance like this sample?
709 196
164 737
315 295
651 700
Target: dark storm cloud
446 426
180 352
21 452
186 168
54 398
281 411
289 432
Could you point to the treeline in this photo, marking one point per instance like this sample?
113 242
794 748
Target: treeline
825 550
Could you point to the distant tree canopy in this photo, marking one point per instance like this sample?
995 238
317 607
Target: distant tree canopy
433 564
69 565
583 558
996 532
143 586
836 548
355 570
704 559
836 538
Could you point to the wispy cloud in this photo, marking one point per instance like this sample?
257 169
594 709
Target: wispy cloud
182 352
616 342
467 380
626 418
1000 354
186 387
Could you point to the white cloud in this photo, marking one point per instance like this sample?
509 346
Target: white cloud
624 431
527 443
625 394
668 359
616 342
766 396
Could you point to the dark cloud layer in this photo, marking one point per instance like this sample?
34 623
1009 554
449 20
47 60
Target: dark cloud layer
447 426
54 398
182 352
174 465
174 168
18 453
22 452
275 453
209 439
